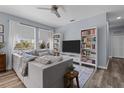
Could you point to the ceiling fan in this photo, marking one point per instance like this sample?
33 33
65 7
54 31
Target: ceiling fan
53 9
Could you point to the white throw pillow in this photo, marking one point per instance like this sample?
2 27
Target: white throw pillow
40 51
43 53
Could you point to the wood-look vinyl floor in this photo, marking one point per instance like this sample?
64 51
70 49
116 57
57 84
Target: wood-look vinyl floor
113 77
9 79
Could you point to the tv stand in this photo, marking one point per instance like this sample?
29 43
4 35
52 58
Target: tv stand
74 56
70 54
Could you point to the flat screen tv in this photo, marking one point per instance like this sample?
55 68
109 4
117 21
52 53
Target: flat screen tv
72 46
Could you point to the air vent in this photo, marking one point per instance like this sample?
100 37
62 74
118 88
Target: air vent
72 20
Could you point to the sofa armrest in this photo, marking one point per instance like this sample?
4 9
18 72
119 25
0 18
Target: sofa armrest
48 76
53 75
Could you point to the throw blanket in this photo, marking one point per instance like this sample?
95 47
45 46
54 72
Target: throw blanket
23 67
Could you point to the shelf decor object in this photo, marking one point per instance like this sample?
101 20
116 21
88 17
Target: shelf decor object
89 46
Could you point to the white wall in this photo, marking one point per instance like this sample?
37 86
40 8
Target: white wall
72 32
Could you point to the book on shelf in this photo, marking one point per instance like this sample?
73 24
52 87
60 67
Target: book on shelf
89 32
92 61
88 45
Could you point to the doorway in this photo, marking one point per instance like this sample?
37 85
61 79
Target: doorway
117 44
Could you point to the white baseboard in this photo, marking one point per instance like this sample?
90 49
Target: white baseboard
105 67
102 67
8 68
110 57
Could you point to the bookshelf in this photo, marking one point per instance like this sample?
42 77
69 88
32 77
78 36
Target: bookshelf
89 46
57 42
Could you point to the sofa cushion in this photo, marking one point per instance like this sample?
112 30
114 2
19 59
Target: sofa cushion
43 53
37 51
56 59
43 60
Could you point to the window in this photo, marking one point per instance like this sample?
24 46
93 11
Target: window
24 37
44 38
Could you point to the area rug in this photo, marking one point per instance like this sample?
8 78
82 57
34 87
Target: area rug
84 74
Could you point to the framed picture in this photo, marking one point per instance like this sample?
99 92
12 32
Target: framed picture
1 28
1 38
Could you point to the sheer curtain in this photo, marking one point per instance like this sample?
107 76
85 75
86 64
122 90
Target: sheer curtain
11 41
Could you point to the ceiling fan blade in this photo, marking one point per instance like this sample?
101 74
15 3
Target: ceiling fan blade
57 14
54 9
43 8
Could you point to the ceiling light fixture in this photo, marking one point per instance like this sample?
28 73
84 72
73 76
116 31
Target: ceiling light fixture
119 17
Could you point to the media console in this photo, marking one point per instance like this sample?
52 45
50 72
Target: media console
76 58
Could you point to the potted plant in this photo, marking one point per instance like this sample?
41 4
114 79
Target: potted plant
71 67
42 45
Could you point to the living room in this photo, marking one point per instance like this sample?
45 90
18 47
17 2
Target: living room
38 47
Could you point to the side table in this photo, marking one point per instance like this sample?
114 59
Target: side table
68 79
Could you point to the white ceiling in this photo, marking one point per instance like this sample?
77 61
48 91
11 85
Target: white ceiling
68 12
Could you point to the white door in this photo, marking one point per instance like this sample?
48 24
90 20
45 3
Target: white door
117 46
